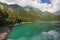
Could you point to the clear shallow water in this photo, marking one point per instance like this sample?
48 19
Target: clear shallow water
34 31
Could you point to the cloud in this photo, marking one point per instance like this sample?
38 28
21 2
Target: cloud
53 7
8 1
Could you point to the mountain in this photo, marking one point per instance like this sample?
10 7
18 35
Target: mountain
57 13
15 5
43 16
17 13
27 14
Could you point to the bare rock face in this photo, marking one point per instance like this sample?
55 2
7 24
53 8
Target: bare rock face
1 6
4 34
57 13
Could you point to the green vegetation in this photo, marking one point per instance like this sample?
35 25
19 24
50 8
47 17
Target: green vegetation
43 16
11 15
8 18
3 17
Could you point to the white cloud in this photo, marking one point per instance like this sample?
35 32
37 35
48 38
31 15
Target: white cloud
8 1
53 7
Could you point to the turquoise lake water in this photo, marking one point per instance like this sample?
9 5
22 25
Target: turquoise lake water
34 31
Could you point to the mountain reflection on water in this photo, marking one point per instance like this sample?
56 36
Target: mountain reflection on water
32 32
51 35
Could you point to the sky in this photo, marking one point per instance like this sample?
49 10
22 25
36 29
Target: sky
43 5
46 1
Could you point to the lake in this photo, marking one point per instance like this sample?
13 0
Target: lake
35 31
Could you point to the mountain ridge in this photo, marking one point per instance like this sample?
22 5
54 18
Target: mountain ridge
29 13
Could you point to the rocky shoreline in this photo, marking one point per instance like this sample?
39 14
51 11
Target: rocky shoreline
4 32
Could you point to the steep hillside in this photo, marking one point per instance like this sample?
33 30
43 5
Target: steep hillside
43 16
17 13
57 13
11 15
39 15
